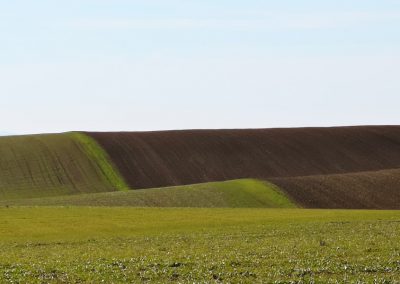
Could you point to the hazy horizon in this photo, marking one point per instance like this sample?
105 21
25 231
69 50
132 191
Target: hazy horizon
101 65
4 133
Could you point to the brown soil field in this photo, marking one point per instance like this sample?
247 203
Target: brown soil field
364 190
167 158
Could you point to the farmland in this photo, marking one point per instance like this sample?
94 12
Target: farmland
368 190
48 165
339 167
237 193
166 158
224 206
74 245
199 142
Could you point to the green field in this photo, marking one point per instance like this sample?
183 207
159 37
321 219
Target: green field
238 193
51 165
119 245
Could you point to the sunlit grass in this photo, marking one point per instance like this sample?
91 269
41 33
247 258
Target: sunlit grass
243 193
198 245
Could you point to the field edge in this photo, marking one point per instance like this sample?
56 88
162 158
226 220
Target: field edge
96 153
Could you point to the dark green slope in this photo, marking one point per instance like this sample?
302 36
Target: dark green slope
51 165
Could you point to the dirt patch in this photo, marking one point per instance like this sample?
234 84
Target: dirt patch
366 190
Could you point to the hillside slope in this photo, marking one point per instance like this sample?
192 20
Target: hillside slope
363 190
166 158
50 165
236 193
343 167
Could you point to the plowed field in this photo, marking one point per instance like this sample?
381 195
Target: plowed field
156 159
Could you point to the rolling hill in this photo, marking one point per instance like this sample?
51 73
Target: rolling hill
237 193
51 165
167 158
338 167
366 190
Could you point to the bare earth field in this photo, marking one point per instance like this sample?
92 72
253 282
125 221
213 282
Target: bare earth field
164 158
368 190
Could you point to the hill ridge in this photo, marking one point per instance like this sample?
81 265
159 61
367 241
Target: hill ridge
334 167
49 165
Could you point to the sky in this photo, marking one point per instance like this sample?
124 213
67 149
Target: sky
134 65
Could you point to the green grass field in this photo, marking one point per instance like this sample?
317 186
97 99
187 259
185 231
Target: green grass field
120 245
51 165
237 193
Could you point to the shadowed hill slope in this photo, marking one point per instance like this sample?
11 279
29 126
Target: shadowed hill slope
364 190
236 193
166 158
52 164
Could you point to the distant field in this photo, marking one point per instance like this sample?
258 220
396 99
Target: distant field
167 158
51 165
367 190
333 167
120 245
237 193
338 167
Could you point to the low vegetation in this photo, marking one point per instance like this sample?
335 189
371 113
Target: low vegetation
48 165
120 245
94 152
237 193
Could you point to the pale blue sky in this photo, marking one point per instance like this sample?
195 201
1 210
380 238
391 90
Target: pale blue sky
156 64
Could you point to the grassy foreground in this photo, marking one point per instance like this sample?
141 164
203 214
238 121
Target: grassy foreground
119 245
237 193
